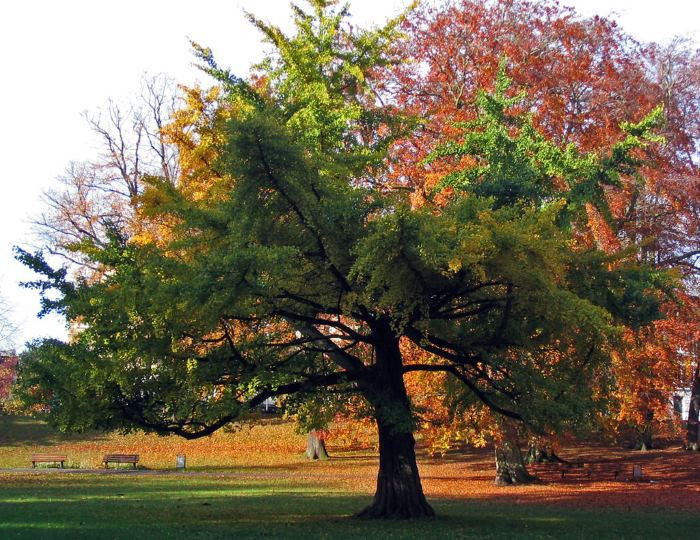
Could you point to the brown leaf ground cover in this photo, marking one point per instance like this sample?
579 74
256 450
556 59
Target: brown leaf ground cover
671 477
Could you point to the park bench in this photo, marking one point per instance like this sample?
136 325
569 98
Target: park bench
558 470
578 470
605 469
121 458
48 458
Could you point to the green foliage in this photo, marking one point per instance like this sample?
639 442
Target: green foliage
507 159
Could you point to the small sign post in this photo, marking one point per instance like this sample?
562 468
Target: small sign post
637 472
180 462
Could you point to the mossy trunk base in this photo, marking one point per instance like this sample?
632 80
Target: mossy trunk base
539 453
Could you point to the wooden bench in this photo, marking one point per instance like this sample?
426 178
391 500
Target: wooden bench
579 470
558 470
606 468
48 458
121 458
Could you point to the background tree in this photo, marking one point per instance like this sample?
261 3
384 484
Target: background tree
583 78
8 329
8 358
101 195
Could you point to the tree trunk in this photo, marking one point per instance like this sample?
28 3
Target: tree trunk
646 441
399 492
316 446
539 451
693 434
646 433
510 467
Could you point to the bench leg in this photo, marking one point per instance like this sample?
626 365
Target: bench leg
33 464
134 464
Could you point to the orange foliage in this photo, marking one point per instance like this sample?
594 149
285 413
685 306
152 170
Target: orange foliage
582 78
8 373
656 362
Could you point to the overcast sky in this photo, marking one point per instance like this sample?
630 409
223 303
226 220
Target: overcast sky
60 58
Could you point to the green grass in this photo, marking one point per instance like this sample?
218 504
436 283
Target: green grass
194 506
278 503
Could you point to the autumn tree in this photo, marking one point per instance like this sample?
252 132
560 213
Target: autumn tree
306 273
7 327
8 358
96 196
666 212
583 78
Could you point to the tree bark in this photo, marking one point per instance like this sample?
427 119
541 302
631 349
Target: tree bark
539 451
645 439
510 467
692 433
399 493
316 446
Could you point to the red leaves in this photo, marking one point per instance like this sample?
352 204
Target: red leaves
8 373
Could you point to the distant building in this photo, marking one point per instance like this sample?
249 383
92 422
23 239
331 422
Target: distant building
269 406
681 403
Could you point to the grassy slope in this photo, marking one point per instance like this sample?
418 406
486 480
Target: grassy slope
270 443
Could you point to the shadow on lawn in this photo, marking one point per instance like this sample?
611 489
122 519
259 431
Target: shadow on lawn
27 431
99 508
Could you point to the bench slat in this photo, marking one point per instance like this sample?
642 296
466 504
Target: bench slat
48 458
120 458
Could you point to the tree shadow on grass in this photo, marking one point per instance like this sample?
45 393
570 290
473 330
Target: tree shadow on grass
28 431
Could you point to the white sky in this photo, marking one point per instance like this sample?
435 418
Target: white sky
58 59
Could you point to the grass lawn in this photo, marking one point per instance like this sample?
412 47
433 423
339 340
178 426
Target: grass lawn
254 482
191 505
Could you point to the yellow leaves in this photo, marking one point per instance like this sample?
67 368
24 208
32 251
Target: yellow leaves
455 265
197 130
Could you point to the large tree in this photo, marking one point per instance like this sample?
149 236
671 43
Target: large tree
583 78
304 273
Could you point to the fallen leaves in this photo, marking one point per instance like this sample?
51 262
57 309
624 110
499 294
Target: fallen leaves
272 449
